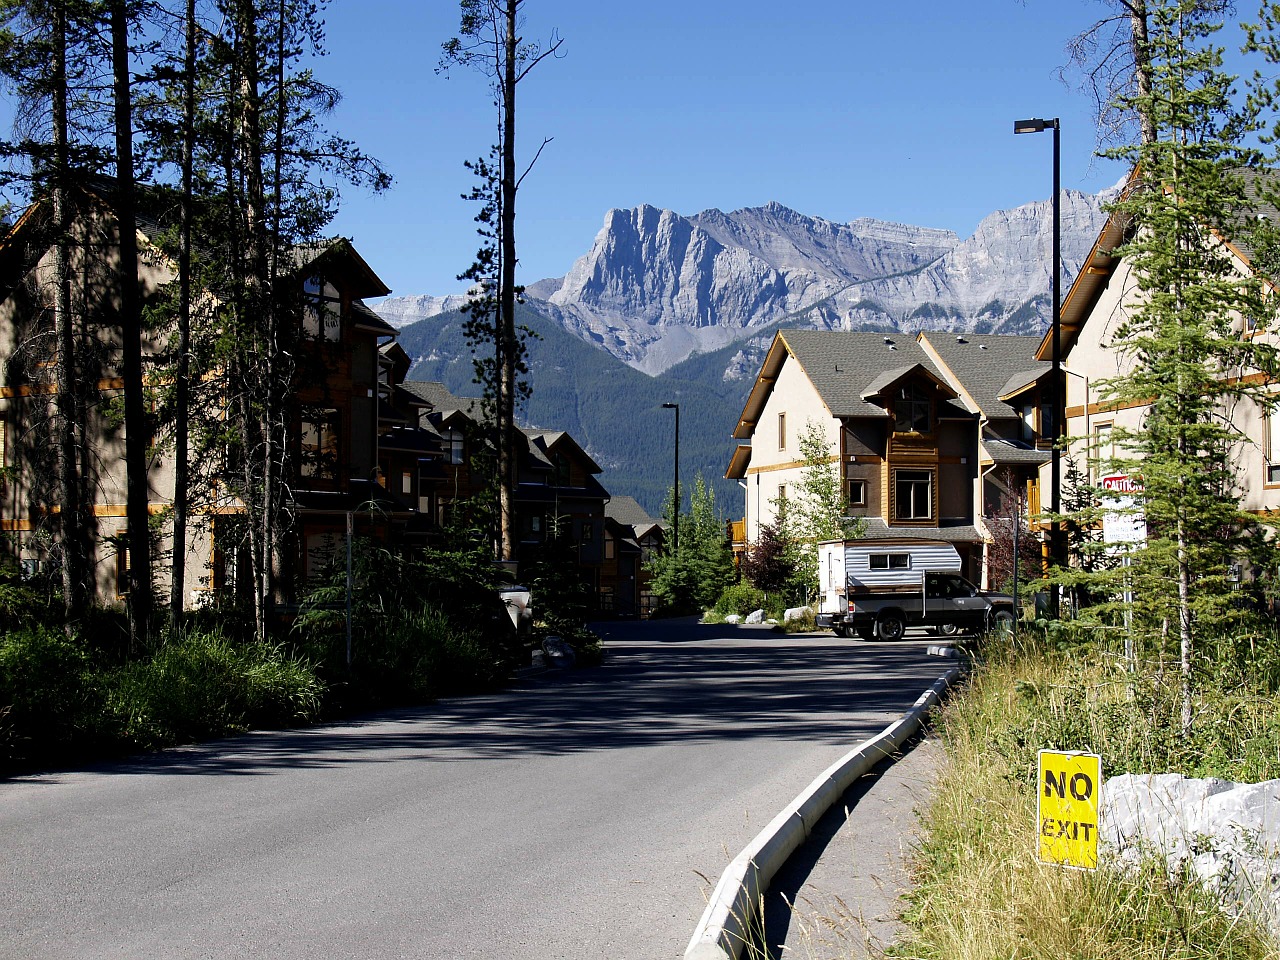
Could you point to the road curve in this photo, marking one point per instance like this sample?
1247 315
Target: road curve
581 815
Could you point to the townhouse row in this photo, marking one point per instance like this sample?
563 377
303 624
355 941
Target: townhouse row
368 446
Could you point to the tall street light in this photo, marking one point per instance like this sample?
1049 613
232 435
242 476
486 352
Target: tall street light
1055 489
675 518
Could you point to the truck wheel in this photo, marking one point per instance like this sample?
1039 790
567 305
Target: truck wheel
946 630
840 630
1002 622
890 627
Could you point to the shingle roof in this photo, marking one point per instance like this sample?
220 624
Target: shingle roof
984 365
998 452
877 529
437 395
843 364
627 510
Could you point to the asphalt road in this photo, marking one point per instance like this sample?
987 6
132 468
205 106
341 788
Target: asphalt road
579 815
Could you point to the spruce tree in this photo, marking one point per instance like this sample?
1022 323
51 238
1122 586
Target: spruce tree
1187 356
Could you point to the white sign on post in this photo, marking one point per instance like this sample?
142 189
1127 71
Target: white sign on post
1123 521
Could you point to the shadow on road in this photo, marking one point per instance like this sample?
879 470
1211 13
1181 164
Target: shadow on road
656 686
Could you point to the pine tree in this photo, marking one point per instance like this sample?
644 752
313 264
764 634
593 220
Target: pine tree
1188 356
488 41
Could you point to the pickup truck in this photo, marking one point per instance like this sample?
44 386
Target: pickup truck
946 602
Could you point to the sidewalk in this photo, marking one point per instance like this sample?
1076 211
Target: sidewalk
837 897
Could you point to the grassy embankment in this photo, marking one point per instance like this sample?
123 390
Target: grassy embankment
979 891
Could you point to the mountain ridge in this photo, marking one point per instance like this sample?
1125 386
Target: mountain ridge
656 286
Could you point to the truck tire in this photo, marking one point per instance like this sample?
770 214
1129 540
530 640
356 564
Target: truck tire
946 630
840 630
1002 622
890 627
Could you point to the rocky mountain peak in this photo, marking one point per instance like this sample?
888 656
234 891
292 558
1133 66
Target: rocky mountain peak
656 286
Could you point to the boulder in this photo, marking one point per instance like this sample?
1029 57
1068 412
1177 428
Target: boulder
796 613
1227 834
559 652
755 616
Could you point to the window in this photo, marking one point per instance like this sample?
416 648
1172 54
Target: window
563 476
321 310
609 546
406 482
453 446
1028 422
1048 429
1104 450
319 449
782 431
890 561
3 462
588 533
911 409
913 494
782 492
121 540
857 493
1273 445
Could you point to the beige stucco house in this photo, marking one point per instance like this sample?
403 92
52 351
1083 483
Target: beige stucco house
926 431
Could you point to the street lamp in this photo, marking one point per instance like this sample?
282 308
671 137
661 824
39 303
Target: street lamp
675 487
1055 488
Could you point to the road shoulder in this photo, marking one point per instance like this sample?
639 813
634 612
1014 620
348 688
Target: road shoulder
838 896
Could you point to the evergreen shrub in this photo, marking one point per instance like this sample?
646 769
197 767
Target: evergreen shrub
740 599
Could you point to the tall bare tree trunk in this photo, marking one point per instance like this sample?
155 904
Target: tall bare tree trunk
137 435
507 346
182 384
257 300
74 558
1141 64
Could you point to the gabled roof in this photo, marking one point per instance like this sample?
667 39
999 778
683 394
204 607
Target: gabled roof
437 396
338 253
1092 279
553 440
394 356
841 365
627 510
984 367
884 385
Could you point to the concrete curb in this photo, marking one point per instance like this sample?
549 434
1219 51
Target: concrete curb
734 906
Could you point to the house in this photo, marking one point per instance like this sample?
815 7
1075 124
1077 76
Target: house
1000 379
332 405
558 497
1095 306
631 538
927 432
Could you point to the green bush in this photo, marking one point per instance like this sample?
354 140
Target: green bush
48 697
423 655
740 599
204 686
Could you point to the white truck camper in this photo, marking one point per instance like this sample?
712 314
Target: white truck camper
876 588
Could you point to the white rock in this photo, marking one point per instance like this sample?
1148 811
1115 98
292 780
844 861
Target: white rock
755 616
796 613
733 618
1227 833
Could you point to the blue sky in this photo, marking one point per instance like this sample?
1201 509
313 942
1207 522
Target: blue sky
843 109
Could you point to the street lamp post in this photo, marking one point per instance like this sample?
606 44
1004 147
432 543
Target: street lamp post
1055 466
675 518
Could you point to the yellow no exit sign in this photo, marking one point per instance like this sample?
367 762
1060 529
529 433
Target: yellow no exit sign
1070 790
